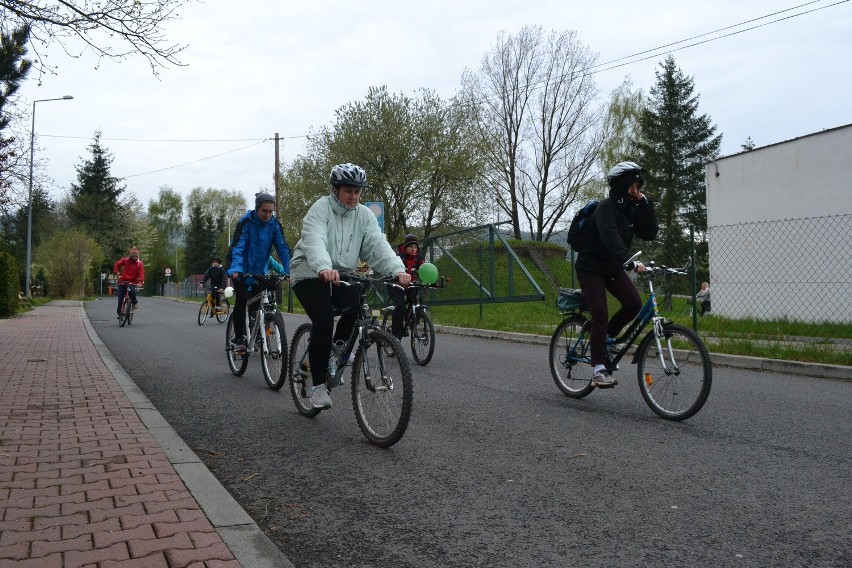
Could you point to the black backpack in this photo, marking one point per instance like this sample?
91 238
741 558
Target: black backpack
580 224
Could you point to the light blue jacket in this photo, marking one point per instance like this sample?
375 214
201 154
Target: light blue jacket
334 237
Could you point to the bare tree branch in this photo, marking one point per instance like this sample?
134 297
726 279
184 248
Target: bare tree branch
111 29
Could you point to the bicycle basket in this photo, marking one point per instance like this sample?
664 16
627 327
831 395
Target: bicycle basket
570 299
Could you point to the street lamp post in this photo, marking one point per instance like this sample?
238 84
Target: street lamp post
30 198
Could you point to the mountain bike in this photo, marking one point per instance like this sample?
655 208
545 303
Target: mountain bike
672 363
125 313
265 333
418 323
382 388
209 309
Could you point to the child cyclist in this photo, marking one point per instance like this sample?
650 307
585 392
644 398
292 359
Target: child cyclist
412 258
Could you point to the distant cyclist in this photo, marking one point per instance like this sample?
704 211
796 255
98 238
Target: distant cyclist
251 244
600 264
216 276
412 258
337 232
130 270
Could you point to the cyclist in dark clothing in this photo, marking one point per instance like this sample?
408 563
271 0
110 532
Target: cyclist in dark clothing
216 276
600 265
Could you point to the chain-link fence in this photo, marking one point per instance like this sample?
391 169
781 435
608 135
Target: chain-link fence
781 289
791 269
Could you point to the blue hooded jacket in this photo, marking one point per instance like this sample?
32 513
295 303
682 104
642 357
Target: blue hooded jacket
253 241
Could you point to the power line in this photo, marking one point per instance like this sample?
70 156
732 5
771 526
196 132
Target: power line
657 49
169 140
721 30
195 161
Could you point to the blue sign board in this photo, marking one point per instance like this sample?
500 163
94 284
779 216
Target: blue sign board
378 209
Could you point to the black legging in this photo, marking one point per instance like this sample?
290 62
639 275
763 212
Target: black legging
319 300
241 296
399 298
594 291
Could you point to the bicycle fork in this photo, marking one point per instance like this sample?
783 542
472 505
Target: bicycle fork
659 337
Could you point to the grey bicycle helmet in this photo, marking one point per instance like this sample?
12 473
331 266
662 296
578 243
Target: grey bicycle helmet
624 174
348 174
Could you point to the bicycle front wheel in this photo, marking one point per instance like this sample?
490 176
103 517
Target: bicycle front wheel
203 311
569 357
422 338
128 311
236 363
299 370
382 389
675 378
224 310
273 358
122 313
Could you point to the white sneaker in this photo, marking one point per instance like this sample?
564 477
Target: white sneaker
603 380
320 398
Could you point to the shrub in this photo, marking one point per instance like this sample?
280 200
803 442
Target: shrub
8 285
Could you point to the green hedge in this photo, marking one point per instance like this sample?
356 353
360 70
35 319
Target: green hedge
8 285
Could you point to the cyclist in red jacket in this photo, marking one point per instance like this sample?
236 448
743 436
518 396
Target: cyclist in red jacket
131 271
412 258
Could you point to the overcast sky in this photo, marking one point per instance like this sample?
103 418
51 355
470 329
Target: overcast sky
282 66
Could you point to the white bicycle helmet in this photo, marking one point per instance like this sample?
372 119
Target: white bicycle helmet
348 174
623 174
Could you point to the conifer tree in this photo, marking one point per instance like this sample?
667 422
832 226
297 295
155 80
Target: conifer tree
98 205
13 69
671 131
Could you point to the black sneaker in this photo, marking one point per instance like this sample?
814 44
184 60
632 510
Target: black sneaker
240 348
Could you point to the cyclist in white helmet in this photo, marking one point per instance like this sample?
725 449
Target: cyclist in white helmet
337 233
600 263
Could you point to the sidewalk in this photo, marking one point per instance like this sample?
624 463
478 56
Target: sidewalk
91 475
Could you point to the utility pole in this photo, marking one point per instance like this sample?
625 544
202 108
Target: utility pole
277 180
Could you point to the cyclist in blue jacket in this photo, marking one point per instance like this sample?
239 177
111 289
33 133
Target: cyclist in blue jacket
251 244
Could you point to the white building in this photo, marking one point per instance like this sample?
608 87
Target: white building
779 223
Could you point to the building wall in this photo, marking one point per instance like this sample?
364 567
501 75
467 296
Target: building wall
780 230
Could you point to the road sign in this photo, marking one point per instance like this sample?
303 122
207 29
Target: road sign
168 271
378 209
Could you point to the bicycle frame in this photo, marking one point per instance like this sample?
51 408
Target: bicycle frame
264 306
358 336
127 294
649 313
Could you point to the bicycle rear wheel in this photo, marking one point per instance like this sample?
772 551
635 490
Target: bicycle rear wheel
382 389
422 338
203 312
569 357
300 371
236 363
674 380
224 310
273 357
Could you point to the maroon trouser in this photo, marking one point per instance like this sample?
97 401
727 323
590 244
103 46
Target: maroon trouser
594 291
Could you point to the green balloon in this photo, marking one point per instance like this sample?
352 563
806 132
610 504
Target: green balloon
428 273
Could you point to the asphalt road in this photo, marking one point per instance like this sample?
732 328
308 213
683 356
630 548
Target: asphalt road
498 468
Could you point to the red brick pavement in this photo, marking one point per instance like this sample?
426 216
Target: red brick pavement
83 483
